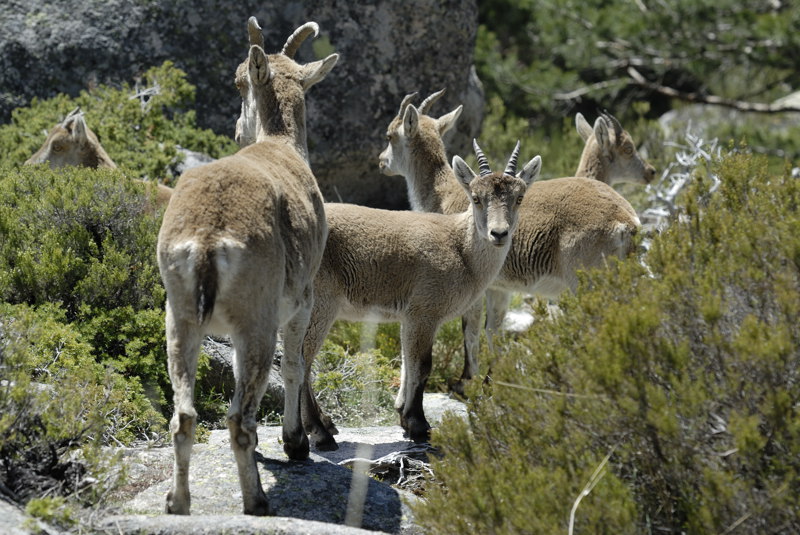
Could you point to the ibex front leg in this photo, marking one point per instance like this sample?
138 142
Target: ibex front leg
417 342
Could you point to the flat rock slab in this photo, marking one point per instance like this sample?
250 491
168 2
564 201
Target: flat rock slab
313 496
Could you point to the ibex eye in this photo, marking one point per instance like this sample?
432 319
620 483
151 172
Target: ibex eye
476 200
519 199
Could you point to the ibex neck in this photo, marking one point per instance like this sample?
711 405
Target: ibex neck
592 164
432 186
287 122
484 259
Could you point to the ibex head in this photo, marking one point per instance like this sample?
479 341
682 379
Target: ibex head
273 87
496 196
610 154
413 130
72 143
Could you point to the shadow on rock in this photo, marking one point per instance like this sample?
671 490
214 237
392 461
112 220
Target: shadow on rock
321 491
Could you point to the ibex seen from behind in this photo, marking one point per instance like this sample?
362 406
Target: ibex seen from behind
565 224
240 244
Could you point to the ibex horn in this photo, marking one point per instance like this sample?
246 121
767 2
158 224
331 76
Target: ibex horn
428 102
296 39
406 100
614 123
483 163
254 31
511 168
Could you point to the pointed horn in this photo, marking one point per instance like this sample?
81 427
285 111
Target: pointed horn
483 163
511 168
74 112
254 32
615 124
428 102
296 39
406 101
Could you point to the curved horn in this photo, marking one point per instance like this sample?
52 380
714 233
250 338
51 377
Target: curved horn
428 102
296 39
406 101
511 168
483 163
615 124
254 32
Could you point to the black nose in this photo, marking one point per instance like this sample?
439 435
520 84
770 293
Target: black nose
499 235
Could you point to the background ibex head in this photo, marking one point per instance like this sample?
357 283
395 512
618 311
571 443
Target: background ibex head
273 87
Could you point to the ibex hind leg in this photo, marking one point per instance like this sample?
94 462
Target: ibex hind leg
316 423
296 380
497 302
183 346
254 351
471 330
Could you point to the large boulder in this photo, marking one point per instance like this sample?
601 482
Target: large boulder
388 48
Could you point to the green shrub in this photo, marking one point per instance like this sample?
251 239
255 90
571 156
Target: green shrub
141 134
682 369
78 237
58 408
355 388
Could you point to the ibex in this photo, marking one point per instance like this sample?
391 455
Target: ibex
72 143
417 269
239 246
565 224
609 154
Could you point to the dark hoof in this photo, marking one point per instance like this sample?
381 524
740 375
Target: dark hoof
259 509
298 451
326 444
173 509
421 436
457 388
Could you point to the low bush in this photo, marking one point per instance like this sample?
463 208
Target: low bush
665 396
141 127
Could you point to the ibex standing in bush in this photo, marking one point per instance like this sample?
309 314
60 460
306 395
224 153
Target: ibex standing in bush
238 249
72 143
565 224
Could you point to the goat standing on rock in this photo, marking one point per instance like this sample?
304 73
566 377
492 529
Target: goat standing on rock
238 249
565 224
418 269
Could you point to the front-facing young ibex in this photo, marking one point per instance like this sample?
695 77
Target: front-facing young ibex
565 224
417 269
72 143
238 249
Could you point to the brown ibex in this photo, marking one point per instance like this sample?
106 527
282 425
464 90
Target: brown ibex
417 269
239 246
565 224
72 143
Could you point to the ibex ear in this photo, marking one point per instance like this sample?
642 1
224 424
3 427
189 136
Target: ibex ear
410 121
583 126
446 122
463 172
531 170
601 133
258 66
317 70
